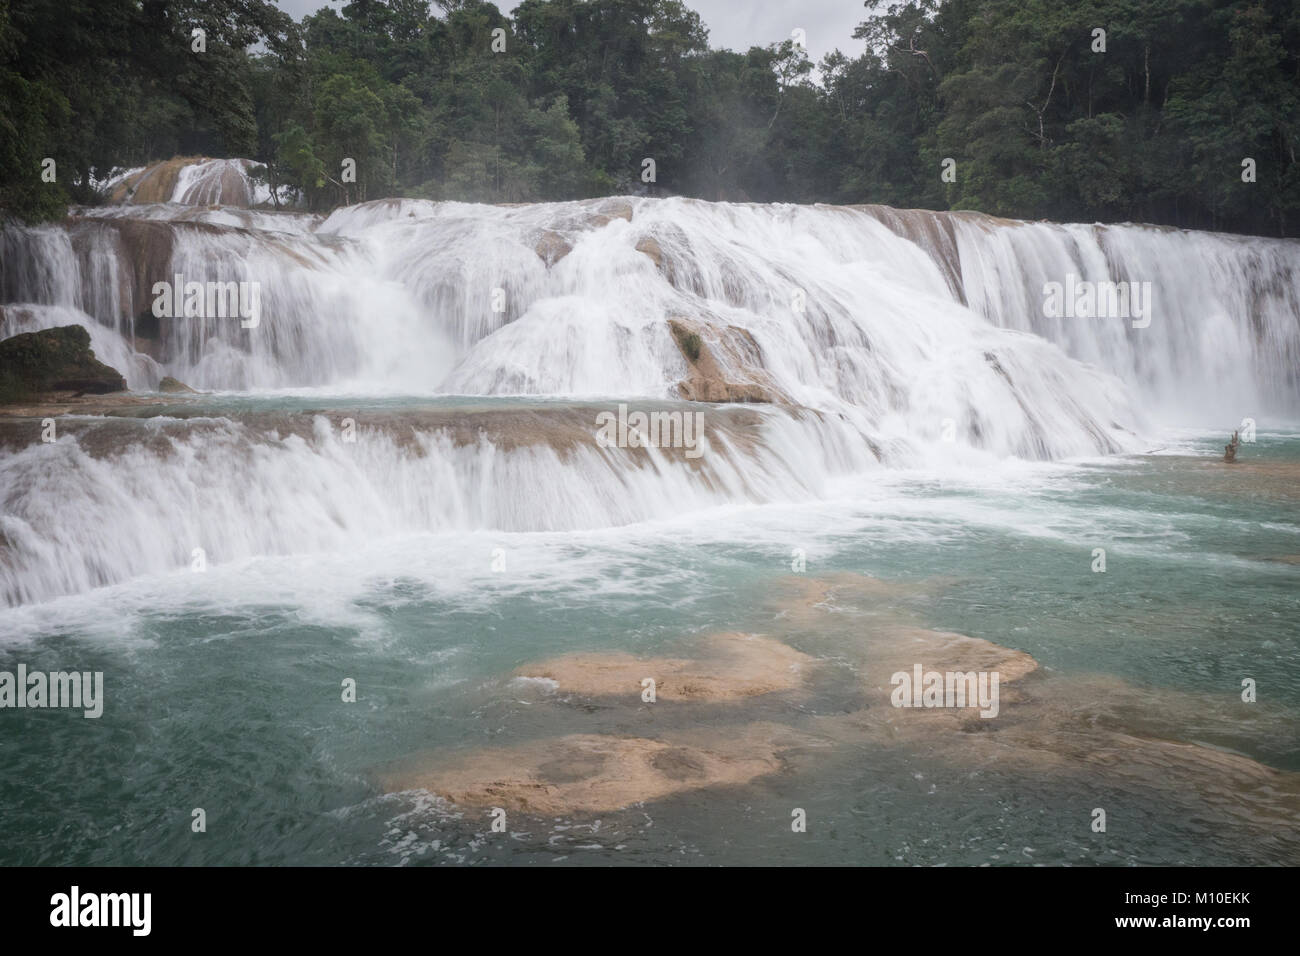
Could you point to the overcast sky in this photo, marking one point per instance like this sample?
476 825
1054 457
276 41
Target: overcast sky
737 24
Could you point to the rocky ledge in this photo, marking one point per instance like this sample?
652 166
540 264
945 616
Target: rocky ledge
36 364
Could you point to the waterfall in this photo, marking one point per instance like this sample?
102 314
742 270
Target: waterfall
1224 333
875 337
117 498
882 292
829 309
194 181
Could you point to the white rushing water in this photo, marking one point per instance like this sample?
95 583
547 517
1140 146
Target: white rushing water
906 338
112 500
425 297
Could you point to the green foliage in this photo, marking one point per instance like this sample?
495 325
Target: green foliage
426 102
95 84
691 345
1154 128
33 111
296 162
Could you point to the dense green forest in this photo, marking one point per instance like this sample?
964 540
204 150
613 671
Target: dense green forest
562 99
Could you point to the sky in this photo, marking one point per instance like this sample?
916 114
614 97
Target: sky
736 24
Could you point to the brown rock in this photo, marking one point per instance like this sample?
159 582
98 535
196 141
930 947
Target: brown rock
732 666
706 380
552 247
616 208
53 360
155 183
597 773
169 384
651 248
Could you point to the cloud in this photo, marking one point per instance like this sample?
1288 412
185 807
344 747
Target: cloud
828 23
737 25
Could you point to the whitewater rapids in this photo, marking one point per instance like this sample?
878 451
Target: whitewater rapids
881 338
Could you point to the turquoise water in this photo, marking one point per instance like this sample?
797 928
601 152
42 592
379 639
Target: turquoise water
223 689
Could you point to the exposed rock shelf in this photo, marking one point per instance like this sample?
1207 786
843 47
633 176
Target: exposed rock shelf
52 361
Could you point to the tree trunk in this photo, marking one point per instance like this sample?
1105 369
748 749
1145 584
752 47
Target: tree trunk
1146 67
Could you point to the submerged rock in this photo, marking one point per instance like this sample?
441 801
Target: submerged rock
53 360
732 666
1071 729
600 773
552 247
650 247
169 384
615 208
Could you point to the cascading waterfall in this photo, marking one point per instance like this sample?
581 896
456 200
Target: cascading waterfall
214 182
205 182
1224 329
879 336
1224 333
115 499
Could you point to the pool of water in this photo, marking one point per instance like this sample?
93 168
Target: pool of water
223 691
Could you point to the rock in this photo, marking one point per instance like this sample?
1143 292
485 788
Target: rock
144 255
706 381
651 248
155 183
169 384
616 208
731 666
1230 449
53 360
218 183
601 773
52 405
552 247
584 219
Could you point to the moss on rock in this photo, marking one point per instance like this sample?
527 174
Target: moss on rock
53 360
